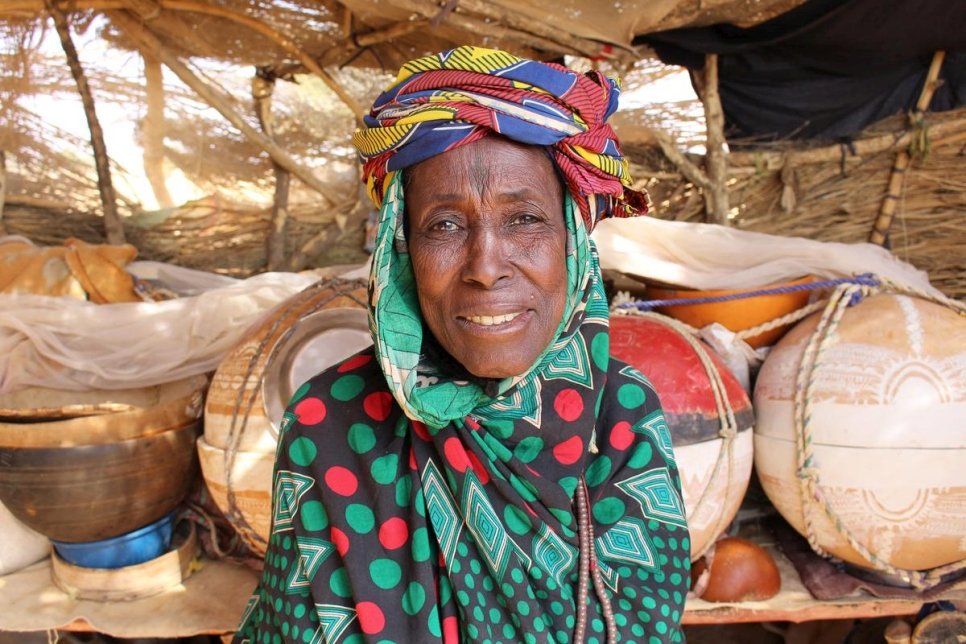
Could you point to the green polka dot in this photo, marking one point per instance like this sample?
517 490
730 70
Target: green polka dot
598 471
384 469
608 510
339 584
361 438
641 457
516 520
402 426
524 488
569 485
469 581
360 518
509 632
420 544
599 349
500 428
302 451
413 598
313 516
631 396
385 573
347 387
404 491
660 627
435 628
556 608
300 393
523 608
494 615
527 449
562 515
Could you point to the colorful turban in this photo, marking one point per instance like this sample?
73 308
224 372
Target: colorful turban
446 100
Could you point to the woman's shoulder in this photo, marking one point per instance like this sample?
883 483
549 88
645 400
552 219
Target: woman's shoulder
352 392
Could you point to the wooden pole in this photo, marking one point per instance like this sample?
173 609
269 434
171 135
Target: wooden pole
897 178
263 85
148 41
113 226
154 131
716 200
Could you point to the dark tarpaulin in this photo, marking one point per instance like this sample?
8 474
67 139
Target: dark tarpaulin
827 68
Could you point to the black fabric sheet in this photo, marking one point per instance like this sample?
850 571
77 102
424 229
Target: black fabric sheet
827 68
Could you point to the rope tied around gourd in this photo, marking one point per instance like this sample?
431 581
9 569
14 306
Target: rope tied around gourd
814 502
728 430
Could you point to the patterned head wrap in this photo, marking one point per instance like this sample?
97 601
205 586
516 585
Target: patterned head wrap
446 100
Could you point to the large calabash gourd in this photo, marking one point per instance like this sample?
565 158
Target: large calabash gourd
886 431
715 470
300 337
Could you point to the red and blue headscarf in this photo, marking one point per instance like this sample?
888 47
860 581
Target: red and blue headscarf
442 101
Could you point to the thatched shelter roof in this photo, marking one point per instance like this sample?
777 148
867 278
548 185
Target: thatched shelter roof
228 55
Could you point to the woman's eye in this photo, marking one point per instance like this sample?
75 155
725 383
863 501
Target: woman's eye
525 218
444 225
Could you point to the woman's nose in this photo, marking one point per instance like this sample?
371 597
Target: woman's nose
487 259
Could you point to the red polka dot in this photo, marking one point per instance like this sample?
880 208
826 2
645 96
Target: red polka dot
341 481
472 424
569 451
421 431
354 362
621 435
477 466
393 533
371 619
456 454
378 405
412 459
310 411
569 405
451 630
340 541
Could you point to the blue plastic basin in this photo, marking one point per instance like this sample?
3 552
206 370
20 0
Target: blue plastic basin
129 549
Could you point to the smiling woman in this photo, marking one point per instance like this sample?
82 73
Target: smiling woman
487 240
485 471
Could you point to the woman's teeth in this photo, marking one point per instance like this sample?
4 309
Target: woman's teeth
490 320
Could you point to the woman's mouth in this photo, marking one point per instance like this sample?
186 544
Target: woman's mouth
492 320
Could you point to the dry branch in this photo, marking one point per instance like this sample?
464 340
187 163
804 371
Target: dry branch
880 229
716 160
154 131
113 226
147 40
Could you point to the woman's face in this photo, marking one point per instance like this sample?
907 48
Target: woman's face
488 244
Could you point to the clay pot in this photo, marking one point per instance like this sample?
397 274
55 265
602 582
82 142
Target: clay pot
736 570
736 315
95 477
887 440
711 497
299 338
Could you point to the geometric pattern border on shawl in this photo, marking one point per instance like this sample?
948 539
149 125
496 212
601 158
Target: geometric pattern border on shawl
552 553
656 494
655 426
572 363
628 541
441 510
312 551
290 487
484 523
333 620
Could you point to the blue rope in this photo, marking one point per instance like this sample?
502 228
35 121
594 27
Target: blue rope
866 279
